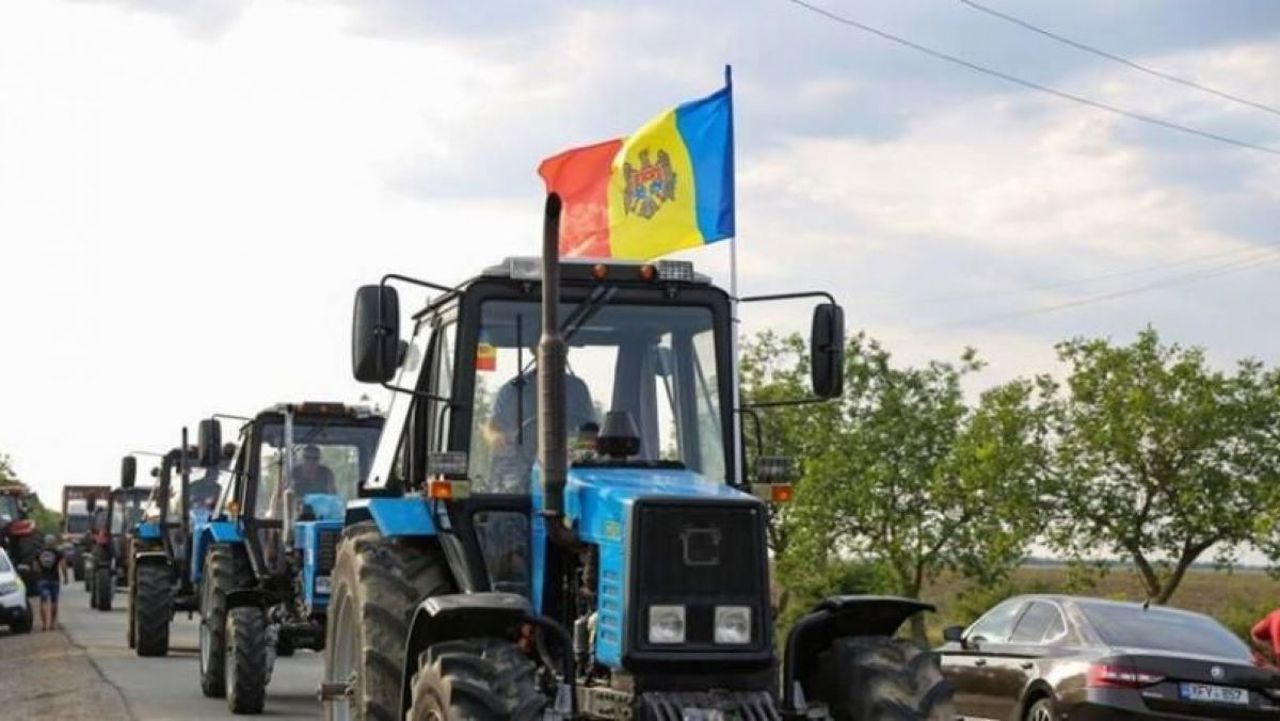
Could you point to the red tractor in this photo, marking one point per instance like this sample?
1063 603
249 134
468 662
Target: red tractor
18 533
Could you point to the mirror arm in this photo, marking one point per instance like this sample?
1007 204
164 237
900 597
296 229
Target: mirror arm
416 394
788 402
788 296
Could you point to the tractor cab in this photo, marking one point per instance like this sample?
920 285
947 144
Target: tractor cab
113 520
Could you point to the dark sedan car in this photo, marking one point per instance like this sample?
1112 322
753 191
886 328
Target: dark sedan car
1041 658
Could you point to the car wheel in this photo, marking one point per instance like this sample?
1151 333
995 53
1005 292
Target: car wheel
1041 710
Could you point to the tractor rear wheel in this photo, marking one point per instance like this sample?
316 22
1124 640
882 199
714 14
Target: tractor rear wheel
226 569
377 584
103 588
874 678
152 609
246 662
476 680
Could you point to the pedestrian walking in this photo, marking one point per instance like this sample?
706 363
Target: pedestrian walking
51 574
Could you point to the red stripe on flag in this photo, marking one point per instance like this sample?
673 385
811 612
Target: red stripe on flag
581 178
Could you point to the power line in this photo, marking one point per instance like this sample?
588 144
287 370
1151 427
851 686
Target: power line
940 55
1154 268
1122 60
1194 277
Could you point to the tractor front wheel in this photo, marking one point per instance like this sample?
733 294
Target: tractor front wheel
476 680
873 678
377 584
152 609
226 569
246 661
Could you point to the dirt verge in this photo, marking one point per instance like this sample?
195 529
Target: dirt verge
45 675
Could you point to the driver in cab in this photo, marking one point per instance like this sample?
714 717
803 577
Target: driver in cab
512 428
311 476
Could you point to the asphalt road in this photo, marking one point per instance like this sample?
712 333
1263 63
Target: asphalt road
159 689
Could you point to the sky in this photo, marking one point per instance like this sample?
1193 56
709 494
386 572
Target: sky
190 192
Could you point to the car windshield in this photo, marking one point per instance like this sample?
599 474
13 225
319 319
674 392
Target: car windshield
1163 629
328 457
655 362
5 567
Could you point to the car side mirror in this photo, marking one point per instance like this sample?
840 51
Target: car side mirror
826 351
209 442
128 471
953 634
375 334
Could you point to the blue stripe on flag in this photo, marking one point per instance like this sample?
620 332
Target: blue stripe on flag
705 127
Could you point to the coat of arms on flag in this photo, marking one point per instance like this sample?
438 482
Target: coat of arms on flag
648 186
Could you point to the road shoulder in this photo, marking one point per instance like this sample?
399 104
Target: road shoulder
46 675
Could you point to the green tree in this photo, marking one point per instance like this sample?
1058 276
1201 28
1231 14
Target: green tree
1162 458
901 473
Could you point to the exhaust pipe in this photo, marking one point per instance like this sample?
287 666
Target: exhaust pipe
553 451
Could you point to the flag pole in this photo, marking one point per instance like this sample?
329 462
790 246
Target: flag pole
740 458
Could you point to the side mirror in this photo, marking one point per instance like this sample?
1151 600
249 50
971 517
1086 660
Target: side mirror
953 634
209 442
375 334
826 351
128 471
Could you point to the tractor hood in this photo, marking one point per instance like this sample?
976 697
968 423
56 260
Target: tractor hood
598 499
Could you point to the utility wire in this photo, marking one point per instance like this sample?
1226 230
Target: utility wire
1190 261
1184 279
940 55
1123 61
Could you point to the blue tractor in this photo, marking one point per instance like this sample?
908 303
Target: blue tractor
265 555
163 579
577 542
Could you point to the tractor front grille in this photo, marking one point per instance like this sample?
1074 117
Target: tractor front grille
326 550
699 554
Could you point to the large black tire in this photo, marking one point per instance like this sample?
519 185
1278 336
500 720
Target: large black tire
103 588
246 662
23 624
152 609
476 680
873 678
377 584
77 568
88 587
226 568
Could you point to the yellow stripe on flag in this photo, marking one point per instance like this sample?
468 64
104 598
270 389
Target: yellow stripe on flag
651 194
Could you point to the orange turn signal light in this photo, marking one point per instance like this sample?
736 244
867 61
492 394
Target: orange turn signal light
782 493
599 271
441 489
648 272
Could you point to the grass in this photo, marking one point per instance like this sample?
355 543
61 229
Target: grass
1237 598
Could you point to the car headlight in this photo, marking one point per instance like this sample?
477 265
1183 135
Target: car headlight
8 587
733 624
666 624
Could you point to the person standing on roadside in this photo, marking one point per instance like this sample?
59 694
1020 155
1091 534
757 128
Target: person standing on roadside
51 574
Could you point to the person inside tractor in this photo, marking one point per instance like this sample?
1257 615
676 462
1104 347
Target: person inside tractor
512 429
312 476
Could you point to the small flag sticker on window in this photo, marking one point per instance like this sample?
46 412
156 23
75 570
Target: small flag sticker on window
486 356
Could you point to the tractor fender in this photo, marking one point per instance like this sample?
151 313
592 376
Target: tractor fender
211 533
839 617
459 615
395 517
246 597
151 558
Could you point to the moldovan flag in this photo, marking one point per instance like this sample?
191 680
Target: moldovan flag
667 187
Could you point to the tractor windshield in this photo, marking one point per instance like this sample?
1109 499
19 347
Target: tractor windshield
656 362
8 507
126 512
327 458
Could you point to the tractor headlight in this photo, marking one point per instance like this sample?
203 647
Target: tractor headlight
733 624
666 624
9 587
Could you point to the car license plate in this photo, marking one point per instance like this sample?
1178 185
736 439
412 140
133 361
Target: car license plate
1214 694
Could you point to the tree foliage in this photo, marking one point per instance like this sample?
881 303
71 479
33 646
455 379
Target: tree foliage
1162 458
901 472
